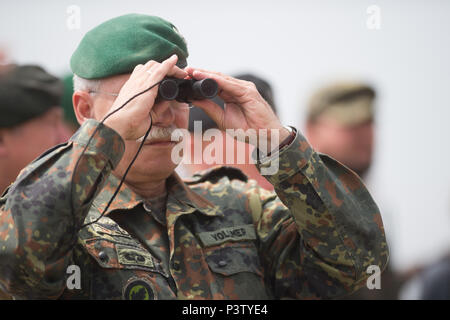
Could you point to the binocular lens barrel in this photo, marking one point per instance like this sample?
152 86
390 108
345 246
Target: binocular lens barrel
187 90
168 89
206 88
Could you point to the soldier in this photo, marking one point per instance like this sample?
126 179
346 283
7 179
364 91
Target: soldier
219 236
30 118
340 123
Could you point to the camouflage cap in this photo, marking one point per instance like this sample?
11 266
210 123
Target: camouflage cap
118 45
349 103
27 92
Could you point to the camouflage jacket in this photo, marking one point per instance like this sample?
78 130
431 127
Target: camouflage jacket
224 238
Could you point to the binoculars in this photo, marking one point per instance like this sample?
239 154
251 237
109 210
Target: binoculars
187 90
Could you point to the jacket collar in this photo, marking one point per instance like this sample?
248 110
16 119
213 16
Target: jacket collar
181 198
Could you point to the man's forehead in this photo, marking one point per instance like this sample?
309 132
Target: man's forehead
114 83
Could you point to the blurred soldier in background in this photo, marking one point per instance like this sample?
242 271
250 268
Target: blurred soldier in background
230 145
340 123
31 119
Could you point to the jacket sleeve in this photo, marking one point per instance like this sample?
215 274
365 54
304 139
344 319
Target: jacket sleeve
41 213
322 232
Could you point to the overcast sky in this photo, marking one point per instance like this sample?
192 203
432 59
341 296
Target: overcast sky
297 46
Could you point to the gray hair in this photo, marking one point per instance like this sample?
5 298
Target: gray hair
81 84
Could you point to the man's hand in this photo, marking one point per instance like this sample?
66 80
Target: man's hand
133 120
244 106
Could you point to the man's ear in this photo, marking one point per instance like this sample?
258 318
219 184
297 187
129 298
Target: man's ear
83 106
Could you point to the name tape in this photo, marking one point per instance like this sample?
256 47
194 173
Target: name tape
238 233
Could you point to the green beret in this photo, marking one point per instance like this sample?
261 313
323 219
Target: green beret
348 103
118 45
27 92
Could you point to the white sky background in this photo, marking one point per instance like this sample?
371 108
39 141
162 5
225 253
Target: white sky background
297 46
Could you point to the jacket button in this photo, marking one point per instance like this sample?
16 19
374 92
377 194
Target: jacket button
103 256
222 263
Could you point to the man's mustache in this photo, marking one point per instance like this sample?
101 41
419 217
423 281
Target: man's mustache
158 133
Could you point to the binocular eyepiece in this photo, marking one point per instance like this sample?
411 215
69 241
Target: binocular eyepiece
187 90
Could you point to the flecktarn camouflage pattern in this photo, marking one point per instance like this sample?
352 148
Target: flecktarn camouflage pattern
223 238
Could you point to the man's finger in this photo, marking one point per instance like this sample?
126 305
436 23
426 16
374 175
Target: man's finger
229 86
177 73
137 68
161 71
149 63
191 70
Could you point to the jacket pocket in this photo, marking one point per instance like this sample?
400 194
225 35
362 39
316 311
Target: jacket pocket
234 258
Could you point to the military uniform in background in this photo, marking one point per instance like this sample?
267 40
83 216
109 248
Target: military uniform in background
349 104
27 94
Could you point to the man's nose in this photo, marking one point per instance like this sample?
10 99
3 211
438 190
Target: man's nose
164 114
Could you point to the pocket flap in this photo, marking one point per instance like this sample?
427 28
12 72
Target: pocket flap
234 259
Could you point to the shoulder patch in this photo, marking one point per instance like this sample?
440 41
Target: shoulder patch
138 289
214 174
